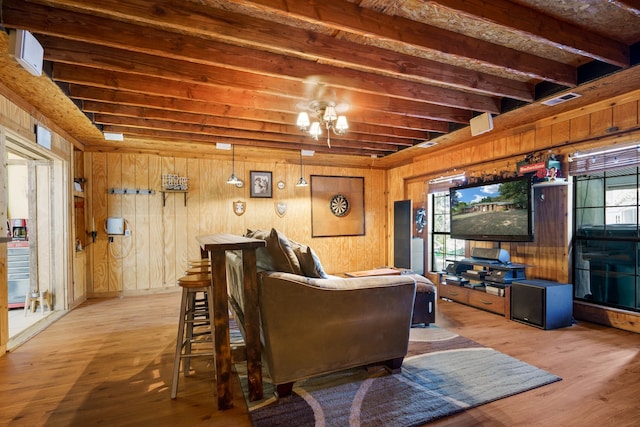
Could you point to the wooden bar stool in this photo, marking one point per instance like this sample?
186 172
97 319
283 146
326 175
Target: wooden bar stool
205 269
199 262
195 314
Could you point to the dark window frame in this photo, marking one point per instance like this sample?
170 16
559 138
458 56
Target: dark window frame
606 258
440 235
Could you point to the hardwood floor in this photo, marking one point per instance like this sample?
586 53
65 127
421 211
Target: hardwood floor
109 363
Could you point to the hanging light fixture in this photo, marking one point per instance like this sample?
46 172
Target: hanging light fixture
327 117
301 182
233 179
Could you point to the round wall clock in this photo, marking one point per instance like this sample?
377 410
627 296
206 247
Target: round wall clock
339 205
281 185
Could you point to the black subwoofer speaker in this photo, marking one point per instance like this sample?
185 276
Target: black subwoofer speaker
543 304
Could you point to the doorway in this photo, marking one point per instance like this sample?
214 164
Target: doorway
35 260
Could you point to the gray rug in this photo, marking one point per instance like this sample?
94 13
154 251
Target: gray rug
443 374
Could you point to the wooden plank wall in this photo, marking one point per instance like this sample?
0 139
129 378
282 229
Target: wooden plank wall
4 291
607 123
163 238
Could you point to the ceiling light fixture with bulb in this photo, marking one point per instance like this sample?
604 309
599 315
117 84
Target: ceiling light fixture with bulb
301 182
233 179
326 117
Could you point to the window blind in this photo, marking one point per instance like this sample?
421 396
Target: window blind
605 161
439 187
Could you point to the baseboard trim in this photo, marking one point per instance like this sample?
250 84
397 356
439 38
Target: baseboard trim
33 330
134 292
608 316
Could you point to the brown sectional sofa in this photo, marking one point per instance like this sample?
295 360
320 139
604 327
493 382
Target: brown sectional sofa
321 324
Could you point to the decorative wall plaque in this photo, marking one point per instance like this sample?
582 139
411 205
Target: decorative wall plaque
174 182
281 208
239 207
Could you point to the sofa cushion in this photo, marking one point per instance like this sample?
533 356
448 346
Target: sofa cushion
277 255
309 261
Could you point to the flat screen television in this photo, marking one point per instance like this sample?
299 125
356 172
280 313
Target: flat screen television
499 211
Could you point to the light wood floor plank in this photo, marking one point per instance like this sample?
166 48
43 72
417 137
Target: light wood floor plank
109 362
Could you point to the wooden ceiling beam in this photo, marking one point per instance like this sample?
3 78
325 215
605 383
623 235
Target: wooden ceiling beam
205 20
107 58
400 122
103 110
241 97
229 120
164 135
118 115
546 30
350 17
337 141
71 25
630 6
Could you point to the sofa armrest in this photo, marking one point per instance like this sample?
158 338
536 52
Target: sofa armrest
316 326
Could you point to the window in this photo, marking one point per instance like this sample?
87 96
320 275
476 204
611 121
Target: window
444 248
606 243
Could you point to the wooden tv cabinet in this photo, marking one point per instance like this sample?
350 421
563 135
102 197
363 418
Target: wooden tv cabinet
467 281
477 298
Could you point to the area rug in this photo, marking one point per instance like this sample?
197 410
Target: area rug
443 374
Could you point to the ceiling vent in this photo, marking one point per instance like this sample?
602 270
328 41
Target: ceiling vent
427 144
562 98
113 136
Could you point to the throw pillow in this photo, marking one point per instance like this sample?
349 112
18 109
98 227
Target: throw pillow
309 261
277 255
264 261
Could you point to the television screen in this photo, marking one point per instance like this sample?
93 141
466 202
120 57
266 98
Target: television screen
497 211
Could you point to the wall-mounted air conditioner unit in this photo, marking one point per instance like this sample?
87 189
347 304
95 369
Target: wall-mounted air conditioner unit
27 51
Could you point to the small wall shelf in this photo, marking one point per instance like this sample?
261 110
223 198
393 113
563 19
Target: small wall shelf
165 192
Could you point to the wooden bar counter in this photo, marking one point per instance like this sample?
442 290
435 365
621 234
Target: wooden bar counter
216 245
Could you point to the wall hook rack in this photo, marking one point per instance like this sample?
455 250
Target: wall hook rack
131 191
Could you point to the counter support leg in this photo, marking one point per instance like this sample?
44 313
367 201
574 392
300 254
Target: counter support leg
252 324
221 335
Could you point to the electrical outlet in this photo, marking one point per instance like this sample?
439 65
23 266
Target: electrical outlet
127 233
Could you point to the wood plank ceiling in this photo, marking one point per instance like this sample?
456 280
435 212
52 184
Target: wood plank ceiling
239 72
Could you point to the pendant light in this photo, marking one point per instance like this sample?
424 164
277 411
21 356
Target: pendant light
233 179
301 182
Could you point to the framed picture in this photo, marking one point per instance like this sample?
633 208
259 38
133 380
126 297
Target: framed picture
261 184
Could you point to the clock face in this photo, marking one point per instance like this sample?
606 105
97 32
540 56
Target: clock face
281 185
339 205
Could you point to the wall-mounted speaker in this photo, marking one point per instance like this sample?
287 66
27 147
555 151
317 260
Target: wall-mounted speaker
481 124
543 304
27 51
43 137
402 232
